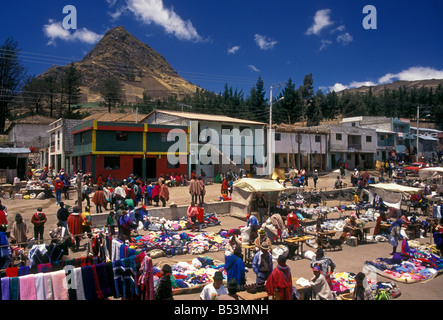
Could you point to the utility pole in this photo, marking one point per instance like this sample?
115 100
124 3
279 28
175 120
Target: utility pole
418 121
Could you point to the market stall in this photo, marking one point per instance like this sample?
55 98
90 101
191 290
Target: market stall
245 191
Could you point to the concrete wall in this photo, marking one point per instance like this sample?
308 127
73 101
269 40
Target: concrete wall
177 213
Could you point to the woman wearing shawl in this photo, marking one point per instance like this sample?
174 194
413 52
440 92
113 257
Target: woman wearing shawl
99 200
394 234
235 266
75 228
156 193
279 283
192 213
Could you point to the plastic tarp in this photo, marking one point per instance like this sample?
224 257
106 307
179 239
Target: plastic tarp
395 187
258 185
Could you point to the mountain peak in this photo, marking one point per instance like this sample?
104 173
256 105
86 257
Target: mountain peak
139 68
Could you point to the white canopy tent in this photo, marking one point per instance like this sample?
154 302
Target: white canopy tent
244 191
392 193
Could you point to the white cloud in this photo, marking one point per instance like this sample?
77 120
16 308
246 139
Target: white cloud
54 30
345 38
233 50
154 12
253 68
264 43
413 73
325 44
338 87
322 20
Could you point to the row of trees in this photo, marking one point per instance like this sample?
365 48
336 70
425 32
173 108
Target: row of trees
58 95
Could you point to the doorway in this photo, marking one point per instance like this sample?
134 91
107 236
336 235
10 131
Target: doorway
137 167
151 168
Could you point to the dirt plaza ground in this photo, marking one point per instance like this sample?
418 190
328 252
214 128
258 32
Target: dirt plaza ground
349 259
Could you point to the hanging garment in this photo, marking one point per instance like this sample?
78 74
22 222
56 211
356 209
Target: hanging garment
146 280
88 283
79 289
59 285
27 287
5 288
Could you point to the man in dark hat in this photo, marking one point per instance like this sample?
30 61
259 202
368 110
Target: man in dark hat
262 263
362 290
19 231
163 291
39 220
214 289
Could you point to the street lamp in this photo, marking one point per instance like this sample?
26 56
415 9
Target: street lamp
270 151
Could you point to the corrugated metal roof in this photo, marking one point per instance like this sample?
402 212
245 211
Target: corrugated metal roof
14 150
206 117
117 117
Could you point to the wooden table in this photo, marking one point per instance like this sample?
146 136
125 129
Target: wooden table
364 230
301 290
298 240
244 295
247 256
322 235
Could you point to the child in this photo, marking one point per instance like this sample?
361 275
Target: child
200 216
110 223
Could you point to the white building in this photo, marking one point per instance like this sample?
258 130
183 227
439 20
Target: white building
217 143
301 147
61 144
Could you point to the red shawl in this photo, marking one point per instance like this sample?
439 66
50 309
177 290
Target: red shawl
99 198
278 280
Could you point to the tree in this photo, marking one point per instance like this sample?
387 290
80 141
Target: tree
12 74
71 82
111 91
257 103
33 94
288 109
307 93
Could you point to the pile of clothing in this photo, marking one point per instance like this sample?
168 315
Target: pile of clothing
189 275
157 224
344 282
173 243
409 266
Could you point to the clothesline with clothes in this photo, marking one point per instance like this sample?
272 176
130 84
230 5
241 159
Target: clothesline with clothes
128 278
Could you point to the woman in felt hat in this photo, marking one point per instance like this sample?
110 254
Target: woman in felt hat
163 291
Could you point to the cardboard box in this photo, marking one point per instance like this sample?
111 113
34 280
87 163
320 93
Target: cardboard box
352 241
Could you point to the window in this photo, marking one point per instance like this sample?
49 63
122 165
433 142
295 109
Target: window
338 136
368 138
121 136
277 136
164 137
112 162
317 139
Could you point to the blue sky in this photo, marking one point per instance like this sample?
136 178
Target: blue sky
211 43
